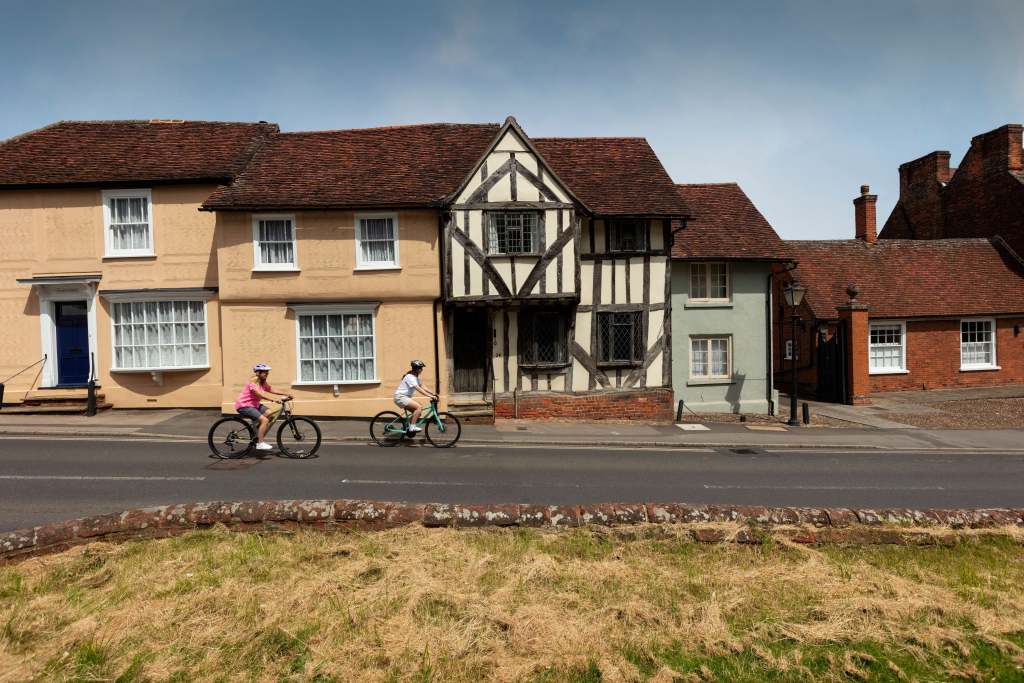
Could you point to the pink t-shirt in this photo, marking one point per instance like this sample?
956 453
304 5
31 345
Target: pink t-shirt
249 398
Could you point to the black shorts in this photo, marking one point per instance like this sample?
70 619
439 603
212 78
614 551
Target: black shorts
252 413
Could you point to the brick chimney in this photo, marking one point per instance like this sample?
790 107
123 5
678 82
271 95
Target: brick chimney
1000 149
864 212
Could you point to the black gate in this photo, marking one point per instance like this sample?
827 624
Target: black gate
832 367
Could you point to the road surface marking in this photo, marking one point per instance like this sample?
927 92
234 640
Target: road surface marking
13 476
834 488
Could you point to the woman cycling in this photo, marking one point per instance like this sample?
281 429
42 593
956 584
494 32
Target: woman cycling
407 389
248 403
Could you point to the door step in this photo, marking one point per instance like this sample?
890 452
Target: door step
57 402
75 409
472 411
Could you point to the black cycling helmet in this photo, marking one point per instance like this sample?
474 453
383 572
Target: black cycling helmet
419 364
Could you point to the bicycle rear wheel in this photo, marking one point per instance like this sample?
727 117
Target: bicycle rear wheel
299 437
387 428
446 434
231 437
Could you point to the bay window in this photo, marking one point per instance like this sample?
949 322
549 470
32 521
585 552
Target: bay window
159 335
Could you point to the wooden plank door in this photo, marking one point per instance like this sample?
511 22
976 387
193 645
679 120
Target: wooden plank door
470 351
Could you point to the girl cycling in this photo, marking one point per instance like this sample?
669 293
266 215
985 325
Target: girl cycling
248 403
407 389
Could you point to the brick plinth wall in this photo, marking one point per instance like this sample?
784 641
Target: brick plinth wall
705 523
646 404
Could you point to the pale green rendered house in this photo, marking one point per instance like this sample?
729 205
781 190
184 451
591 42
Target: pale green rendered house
721 303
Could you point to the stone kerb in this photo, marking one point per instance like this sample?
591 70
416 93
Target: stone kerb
705 523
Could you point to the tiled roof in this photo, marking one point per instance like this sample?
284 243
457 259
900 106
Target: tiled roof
371 167
110 152
725 224
911 278
614 176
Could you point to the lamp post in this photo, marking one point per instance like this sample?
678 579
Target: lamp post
794 295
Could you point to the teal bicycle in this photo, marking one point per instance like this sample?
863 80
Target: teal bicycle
441 429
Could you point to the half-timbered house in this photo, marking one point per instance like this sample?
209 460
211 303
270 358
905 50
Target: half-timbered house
557 279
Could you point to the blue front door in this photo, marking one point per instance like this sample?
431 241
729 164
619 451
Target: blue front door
72 342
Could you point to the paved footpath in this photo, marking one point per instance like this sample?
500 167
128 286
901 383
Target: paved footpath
193 424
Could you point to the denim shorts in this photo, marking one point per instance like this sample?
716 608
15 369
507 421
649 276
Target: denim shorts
252 413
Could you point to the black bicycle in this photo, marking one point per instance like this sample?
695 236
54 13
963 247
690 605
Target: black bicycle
234 437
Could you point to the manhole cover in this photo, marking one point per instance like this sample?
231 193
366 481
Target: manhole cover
239 464
523 429
746 452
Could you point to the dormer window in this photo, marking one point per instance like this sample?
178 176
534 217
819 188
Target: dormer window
513 232
628 234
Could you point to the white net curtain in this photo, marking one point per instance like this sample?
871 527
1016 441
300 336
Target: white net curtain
336 348
129 223
377 240
160 334
276 246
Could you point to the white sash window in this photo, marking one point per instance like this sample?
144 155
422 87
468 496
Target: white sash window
128 223
376 241
274 243
709 358
159 335
978 345
887 348
336 346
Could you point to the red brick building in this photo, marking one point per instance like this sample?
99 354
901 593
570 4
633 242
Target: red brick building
927 314
983 197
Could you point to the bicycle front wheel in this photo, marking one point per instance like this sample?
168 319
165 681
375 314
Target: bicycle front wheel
387 428
443 435
299 437
231 437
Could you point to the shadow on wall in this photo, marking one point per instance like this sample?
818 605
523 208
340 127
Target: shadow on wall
732 394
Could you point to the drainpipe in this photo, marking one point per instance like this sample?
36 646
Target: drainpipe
770 373
440 275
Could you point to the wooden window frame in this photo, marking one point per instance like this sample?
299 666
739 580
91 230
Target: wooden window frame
109 247
709 338
258 265
637 334
707 282
376 265
641 225
564 358
994 365
493 241
302 310
888 370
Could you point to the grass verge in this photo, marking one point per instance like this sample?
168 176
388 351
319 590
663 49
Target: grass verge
416 604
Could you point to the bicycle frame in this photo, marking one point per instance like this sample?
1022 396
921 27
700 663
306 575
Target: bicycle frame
427 413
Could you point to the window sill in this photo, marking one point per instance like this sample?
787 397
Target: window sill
147 254
709 382
608 365
978 368
525 253
709 304
541 368
331 384
284 269
358 268
890 372
177 368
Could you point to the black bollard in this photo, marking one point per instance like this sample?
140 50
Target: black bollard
90 409
1 396
679 412
807 415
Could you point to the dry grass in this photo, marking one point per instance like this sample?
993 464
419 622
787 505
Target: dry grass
416 604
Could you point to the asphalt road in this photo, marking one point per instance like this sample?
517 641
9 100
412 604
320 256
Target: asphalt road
49 480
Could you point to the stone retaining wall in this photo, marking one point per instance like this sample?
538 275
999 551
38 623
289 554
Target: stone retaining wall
706 523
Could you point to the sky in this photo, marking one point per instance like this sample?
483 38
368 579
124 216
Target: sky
799 101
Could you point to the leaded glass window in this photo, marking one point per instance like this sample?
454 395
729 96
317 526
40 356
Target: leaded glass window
620 337
513 232
628 234
159 335
543 338
336 348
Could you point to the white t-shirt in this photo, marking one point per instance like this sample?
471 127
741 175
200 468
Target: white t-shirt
407 387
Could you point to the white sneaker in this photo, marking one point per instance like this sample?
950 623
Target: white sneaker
414 429
264 447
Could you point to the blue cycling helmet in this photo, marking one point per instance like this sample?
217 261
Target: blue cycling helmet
260 367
